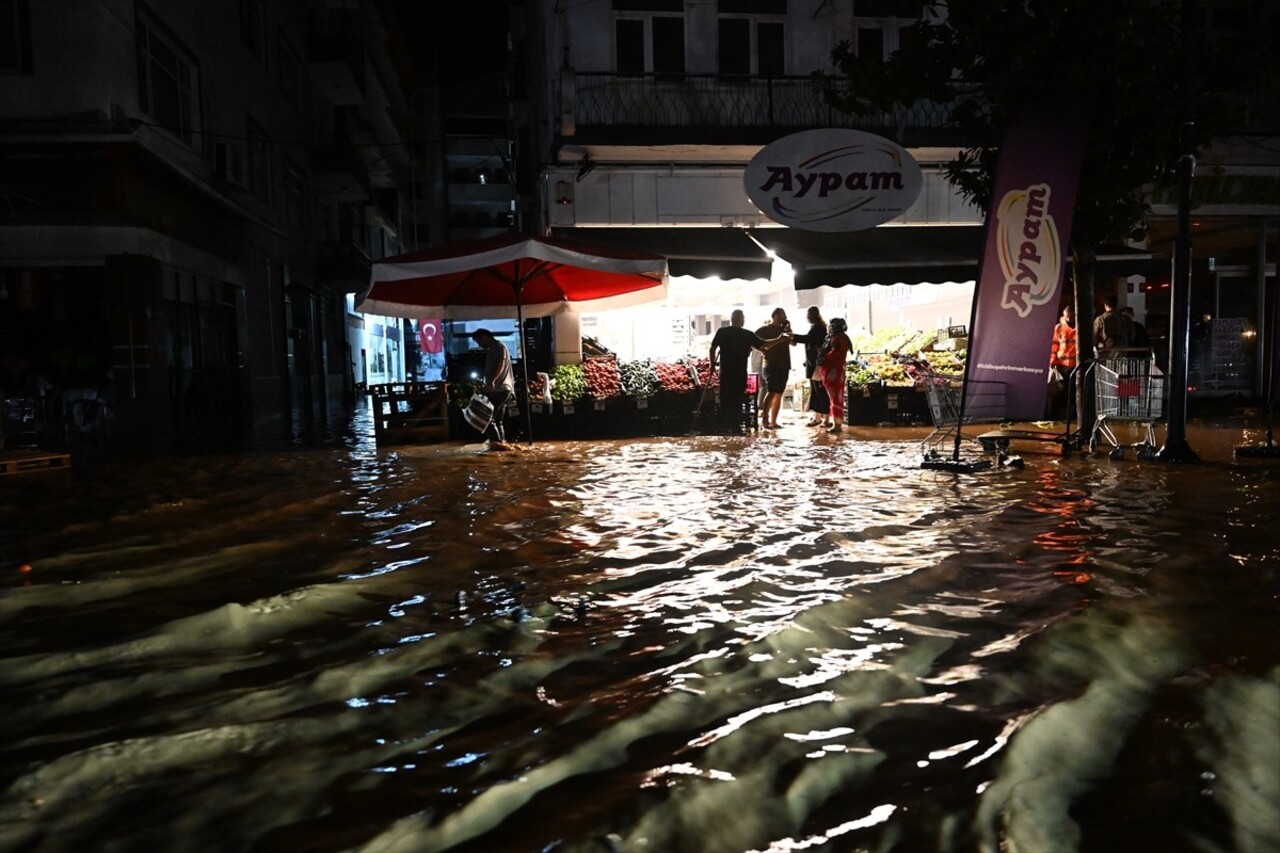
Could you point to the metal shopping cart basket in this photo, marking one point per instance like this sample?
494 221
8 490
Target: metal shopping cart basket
943 392
1129 388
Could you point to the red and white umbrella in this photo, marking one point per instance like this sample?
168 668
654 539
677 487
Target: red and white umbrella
512 276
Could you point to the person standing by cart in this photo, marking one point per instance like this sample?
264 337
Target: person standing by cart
1140 339
1112 330
831 364
777 366
499 384
731 347
1063 359
819 404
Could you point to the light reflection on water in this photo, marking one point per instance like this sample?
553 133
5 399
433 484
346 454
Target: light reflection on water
775 643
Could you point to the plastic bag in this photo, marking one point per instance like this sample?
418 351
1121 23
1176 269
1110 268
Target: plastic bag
479 412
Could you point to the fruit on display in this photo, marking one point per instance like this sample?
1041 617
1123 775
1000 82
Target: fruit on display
538 390
943 362
895 375
602 377
705 375
568 383
673 376
901 371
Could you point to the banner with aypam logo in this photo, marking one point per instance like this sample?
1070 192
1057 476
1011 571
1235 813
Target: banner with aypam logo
1024 257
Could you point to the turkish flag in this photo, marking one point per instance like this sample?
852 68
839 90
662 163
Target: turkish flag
431 335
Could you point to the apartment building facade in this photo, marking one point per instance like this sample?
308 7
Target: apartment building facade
193 190
650 110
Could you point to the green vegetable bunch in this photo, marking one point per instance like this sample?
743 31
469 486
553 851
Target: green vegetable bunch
860 375
639 378
460 393
570 383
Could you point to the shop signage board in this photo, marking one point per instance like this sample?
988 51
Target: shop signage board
833 180
1020 275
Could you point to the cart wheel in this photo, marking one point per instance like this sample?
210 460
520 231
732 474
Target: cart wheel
988 445
1118 453
1146 453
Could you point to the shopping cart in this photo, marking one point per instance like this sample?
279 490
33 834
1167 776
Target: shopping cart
1129 388
944 394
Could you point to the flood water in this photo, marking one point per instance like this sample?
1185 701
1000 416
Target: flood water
784 642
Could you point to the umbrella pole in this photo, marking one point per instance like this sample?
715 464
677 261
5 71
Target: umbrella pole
524 364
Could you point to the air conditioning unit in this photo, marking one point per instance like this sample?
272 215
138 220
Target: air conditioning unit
228 165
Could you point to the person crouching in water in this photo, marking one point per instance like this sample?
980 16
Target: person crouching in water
831 365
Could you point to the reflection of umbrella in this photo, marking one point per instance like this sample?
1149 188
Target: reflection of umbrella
512 275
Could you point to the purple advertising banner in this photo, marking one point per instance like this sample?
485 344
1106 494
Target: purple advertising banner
1023 261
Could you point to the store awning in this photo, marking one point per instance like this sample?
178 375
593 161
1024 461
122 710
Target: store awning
725 253
885 255
911 255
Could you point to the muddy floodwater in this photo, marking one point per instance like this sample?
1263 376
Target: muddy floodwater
766 643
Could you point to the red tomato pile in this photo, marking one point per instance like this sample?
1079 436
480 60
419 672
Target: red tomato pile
705 376
538 387
603 378
673 376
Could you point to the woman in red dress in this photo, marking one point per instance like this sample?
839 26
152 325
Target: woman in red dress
831 367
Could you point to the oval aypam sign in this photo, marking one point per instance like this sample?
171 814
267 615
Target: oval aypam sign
832 180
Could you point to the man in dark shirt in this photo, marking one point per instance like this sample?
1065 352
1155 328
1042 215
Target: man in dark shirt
732 345
1139 339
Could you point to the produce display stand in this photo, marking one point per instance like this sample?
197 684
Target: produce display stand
661 414
876 405
889 388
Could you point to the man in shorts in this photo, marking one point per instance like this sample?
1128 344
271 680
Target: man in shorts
777 366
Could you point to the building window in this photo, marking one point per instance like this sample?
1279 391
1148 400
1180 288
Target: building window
15 37
752 38
259 160
253 28
668 45
294 194
649 36
630 40
168 81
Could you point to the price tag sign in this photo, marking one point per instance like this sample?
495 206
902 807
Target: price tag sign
599 405
568 409
536 407
642 402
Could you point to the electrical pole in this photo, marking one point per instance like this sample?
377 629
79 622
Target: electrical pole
1175 447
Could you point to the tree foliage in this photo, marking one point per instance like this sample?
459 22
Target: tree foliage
991 58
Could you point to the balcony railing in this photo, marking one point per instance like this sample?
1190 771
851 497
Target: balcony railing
705 100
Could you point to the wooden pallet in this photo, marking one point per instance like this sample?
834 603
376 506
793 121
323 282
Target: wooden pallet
24 461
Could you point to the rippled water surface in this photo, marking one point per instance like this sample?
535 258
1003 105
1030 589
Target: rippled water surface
784 642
